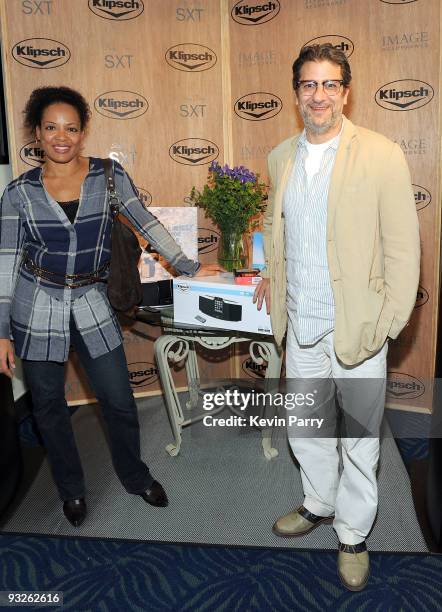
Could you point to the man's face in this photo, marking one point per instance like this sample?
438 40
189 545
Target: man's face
321 112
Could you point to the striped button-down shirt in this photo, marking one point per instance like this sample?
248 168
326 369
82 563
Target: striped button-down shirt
310 301
37 313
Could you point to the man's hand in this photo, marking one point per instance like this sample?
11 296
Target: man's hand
7 360
209 269
262 292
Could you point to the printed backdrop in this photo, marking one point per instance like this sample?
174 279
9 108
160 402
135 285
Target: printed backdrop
176 84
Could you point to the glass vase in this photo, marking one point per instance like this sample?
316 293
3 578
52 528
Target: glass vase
232 252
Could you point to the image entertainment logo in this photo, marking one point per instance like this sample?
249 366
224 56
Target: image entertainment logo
404 95
320 4
142 374
255 13
121 104
31 154
258 106
414 146
422 196
247 59
405 41
250 151
42 53
339 42
403 386
117 10
194 151
190 57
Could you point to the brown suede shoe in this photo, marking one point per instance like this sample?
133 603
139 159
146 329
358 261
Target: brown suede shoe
353 566
298 523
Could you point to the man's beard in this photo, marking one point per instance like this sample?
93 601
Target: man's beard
322 128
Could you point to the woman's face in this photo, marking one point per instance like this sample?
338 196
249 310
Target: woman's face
60 133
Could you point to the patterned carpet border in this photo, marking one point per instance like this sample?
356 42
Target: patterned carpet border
104 575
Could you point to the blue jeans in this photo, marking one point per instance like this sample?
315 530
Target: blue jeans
109 378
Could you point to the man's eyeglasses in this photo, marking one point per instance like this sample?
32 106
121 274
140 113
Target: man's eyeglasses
331 87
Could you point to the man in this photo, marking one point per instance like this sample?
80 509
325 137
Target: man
342 250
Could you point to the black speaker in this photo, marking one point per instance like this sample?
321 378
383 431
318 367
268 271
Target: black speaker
219 308
158 293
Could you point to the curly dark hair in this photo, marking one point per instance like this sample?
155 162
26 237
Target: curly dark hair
42 97
320 53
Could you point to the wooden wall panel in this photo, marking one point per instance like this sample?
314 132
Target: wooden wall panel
385 43
192 62
182 95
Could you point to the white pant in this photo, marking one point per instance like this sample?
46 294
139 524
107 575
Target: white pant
352 496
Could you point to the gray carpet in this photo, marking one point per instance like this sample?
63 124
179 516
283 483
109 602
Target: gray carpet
221 489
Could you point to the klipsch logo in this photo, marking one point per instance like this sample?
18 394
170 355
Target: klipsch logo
404 95
339 42
208 240
422 297
422 197
142 374
404 386
398 1
253 369
118 10
184 287
41 53
255 13
121 104
31 154
144 196
258 106
194 151
190 57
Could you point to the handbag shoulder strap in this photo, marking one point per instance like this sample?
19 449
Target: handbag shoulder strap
114 200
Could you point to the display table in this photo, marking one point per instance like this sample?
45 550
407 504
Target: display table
177 344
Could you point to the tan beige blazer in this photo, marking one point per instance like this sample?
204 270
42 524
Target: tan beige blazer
373 246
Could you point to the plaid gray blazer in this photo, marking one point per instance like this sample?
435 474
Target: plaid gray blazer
35 312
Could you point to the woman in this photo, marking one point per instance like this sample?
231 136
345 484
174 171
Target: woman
55 228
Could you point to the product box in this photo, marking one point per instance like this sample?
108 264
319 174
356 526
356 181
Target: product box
247 276
258 251
182 224
247 280
218 302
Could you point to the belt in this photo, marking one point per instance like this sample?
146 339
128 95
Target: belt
72 281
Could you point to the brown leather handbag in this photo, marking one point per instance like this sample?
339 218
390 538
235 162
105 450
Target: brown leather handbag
123 285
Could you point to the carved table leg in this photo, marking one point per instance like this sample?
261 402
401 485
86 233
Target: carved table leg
162 354
261 351
193 377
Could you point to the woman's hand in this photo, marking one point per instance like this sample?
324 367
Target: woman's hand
7 360
209 269
262 292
